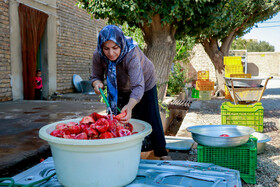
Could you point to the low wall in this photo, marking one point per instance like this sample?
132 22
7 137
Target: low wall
263 63
258 63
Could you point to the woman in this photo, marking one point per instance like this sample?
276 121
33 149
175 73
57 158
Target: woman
131 83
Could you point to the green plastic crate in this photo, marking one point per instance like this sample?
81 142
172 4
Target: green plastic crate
244 115
204 95
242 158
195 93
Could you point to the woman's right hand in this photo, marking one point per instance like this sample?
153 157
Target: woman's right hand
96 85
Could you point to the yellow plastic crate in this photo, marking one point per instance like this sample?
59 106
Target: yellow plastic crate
232 60
205 85
241 75
203 75
233 69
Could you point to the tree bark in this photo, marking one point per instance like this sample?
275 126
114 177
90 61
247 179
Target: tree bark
216 54
160 48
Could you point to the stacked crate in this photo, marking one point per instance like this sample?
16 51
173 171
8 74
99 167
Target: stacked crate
242 158
233 65
245 115
204 85
195 93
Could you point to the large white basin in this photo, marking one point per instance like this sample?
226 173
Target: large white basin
101 162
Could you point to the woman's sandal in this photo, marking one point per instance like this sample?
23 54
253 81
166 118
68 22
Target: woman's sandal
165 158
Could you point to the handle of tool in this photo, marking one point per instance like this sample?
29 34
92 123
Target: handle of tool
105 99
264 87
233 92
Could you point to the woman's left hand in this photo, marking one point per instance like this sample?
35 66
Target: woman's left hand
128 109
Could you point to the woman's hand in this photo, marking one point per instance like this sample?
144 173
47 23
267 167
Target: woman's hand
96 85
128 109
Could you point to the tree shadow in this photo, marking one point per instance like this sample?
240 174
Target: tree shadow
271 91
269 127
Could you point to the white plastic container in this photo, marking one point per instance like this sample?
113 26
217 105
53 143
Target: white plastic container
101 162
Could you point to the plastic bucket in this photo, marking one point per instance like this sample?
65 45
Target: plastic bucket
87 87
101 162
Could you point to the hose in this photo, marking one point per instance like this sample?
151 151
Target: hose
13 184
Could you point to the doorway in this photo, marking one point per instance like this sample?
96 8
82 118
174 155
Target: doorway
32 28
42 63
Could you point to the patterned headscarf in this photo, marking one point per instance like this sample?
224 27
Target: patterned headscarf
115 34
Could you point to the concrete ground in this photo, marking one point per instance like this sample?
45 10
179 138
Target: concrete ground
20 122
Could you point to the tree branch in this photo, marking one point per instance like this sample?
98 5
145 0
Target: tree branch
227 43
180 48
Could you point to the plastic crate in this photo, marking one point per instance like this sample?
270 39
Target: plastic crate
241 75
232 60
233 69
205 85
195 93
203 75
242 158
204 95
244 115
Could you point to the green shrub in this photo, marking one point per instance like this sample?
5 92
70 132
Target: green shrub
177 80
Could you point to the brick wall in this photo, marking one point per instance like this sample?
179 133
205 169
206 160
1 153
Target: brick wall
5 62
76 41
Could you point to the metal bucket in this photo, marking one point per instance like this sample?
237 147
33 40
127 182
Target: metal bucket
262 140
253 82
210 135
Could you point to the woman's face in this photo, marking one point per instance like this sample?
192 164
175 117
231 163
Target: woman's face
111 50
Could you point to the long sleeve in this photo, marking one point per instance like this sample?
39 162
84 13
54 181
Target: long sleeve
98 68
141 73
136 78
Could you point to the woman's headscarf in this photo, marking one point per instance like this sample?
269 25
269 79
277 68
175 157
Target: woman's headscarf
115 34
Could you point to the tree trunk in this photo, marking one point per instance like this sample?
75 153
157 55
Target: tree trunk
160 48
216 54
212 49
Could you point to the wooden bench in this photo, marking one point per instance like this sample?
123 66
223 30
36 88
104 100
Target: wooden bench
179 104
